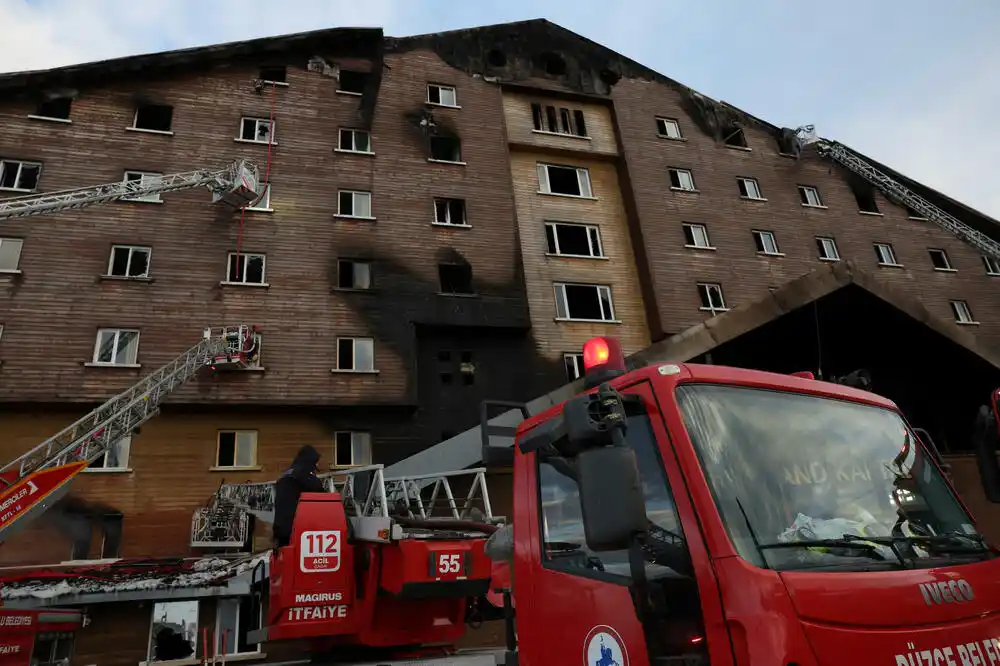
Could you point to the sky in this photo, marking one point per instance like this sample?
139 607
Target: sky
913 84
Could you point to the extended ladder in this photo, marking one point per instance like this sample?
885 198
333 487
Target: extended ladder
35 480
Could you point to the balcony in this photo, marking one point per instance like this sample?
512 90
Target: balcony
220 527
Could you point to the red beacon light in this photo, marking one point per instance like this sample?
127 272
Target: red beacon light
603 360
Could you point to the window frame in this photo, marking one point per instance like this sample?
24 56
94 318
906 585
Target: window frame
744 183
365 438
244 258
458 152
354 143
17 257
668 122
962 312
442 88
593 233
559 292
578 369
569 121
236 432
217 637
103 467
128 264
151 198
447 208
135 119
151 639
115 351
257 123
583 180
355 262
879 247
948 267
821 245
263 197
20 165
705 289
991 265
760 237
354 194
804 198
354 354
671 171
685 226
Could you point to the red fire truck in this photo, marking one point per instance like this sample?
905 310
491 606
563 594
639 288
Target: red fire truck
674 514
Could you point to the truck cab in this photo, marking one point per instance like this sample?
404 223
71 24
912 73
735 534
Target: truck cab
698 514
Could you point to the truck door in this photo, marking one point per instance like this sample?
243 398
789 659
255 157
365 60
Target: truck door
579 603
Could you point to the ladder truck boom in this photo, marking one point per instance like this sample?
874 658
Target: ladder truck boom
234 186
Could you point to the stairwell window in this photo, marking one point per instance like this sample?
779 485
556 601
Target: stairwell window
246 269
129 261
810 197
886 255
354 203
711 297
257 130
10 254
940 261
668 128
236 448
143 179
115 458
355 141
355 355
574 365
440 95
564 181
558 120
573 240
991 263
681 179
116 346
696 236
750 189
352 448
827 248
234 618
583 302
766 243
962 312
18 176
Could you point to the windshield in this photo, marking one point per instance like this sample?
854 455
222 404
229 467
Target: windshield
786 467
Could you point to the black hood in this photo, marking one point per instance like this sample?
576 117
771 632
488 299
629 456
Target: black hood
307 458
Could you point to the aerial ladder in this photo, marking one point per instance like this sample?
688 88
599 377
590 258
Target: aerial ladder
34 481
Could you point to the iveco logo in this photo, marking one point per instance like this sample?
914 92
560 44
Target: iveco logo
946 592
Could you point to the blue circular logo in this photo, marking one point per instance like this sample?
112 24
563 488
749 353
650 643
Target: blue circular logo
604 647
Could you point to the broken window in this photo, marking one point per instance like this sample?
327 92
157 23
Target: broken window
236 448
711 297
564 180
174 631
668 128
442 95
749 188
129 261
455 278
116 347
116 457
681 179
573 240
355 354
246 268
257 130
111 544
734 137
143 179
827 248
496 58
354 203
586 302
263 202
885 254
574 366
446 149
558 120
450 212
696 235
963 313
10 254
810 196
352 448
354 274
235 618
153 117
352 83
20 176
992 265
274 74
866 199
765 242
57 108
914 214
553 64
355 141
939 259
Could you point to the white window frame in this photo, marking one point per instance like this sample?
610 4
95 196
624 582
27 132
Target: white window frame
594 242
668 128
19 243
827 247
132 249
4 164
253 442
354 206
144 178
263 203
750 189
811 196
152 623
685 179
370 342
234 603
124 446
115 350
353 141
763 239
948 268
356 262
992 264
603 296
696 228
705 290
135 118
962 312
257 123
577 360
886 251
447 213
244 259
362 438
443 92
582 180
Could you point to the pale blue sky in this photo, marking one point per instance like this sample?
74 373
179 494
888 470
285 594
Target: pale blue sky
913 83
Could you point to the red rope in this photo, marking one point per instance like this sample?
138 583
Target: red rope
267 174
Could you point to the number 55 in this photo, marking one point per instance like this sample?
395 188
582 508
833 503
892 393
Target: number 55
449 563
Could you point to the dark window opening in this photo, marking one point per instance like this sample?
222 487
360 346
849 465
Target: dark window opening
352 82
446 148
496 58
19 175
734 136
576 240
227 449
939 258
353 274
58 107
574 366
111 547
558 120
449 211
866 200
564 180
82 530
274 74
553 64
156 117
584 301
455 278
446 378
129 262
914 214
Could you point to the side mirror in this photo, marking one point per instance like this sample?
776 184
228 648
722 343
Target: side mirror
611 497
985 443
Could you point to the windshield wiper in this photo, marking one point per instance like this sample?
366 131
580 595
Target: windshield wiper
854 548
938 543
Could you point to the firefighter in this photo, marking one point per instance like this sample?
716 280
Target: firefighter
297 479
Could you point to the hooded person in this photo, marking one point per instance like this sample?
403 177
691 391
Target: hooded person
297 479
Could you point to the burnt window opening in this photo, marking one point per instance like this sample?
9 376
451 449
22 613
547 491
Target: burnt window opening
446 148
154 117
83 534
588 302
914 214
111 546
352 82
354 274
734 137
455 278
553 64
450 212
58 108
573 240
496 58
558 120
274 74
866 200
939 259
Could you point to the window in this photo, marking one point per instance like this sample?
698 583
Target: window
246 269
10 254
236 448
574 366
355 355
234 618
116 347
564 180
352 83
19 176
129 261
885 254
992 264
558 120
734 137
82 537
354 203
274 74
573 240
153 117
584 302
57 108
174 632
456 279
52 649
450 212
668 128
115 457
865 196
352 449
963 314
257 130
913 214
711 297
810 196
111 544
749 188
765 242
263 203
354 274
355 141
939 259
143 179
446 149
681 179
827 248
442 95
696 235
